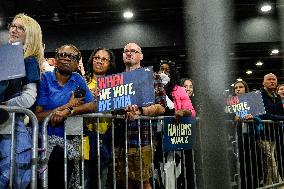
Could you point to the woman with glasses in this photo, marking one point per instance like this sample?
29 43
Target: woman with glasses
63 93
101 63
21 92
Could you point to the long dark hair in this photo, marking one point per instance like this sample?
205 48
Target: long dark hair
174 76
245 85
89 66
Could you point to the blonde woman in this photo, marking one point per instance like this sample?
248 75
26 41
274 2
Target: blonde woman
22 92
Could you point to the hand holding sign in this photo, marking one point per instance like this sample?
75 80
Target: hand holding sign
246 105
121 90
132 112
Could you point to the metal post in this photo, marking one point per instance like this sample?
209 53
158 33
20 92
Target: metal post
126 155
164 162
65 161
113 155
152 154
140 154
34 122
208 37
98 152
82 161
44 154
12 152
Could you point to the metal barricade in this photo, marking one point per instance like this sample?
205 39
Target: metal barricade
257 154
74 126
8 128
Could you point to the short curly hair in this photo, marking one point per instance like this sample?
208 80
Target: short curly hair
72 46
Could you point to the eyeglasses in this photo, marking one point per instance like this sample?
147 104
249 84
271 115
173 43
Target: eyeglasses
71 56
19 28
133 51
103 59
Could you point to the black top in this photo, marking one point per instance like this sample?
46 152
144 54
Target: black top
273 106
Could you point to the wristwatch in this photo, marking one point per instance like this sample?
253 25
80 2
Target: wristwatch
71 110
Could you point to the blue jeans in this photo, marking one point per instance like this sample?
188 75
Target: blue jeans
23 157
3 87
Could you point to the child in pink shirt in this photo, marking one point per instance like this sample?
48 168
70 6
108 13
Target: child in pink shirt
182 100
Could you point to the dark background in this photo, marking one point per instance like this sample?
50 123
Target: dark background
158 26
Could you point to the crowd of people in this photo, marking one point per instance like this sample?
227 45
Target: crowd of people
258 137
67 87
52 89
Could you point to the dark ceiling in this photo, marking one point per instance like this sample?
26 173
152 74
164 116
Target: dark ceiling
90 11
84 12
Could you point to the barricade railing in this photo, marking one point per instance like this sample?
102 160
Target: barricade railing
8 128
74 126
258 154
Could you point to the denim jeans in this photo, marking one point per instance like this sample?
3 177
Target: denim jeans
23 155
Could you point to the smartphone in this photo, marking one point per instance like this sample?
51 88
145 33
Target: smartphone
79 92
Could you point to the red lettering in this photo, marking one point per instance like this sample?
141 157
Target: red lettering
119 79
102 83
110 81
233 100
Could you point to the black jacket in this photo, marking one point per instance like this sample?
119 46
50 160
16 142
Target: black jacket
273 107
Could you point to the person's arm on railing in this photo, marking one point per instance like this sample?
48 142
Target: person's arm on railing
182 104
246 118
42 114
179 114
269 116
153 110
132 111
74 106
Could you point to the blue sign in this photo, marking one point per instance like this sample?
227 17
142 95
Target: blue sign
12 62
248 103
120 90
178 136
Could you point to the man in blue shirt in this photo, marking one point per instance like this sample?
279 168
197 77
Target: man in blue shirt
58 95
